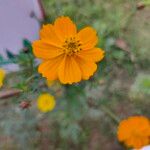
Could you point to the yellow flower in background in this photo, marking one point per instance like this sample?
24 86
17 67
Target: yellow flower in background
67 55
46 102
49 83
2 76
134 132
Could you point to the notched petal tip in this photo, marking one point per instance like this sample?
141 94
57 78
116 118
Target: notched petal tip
88 68
63 18
102 54
64 27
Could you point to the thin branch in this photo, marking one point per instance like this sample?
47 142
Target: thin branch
110 114
9 93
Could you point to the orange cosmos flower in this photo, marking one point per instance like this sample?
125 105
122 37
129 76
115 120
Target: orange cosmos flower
67 55
134 131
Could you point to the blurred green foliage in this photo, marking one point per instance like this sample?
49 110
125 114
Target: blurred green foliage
141 87
86 113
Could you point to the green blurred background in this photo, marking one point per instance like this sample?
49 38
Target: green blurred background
87 114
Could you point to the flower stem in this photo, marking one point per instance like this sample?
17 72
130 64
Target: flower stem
106 110
30 78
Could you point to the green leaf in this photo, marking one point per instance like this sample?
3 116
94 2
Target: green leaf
27 44
1 58
146 2
10 55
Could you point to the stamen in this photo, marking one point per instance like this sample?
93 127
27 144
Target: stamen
71 46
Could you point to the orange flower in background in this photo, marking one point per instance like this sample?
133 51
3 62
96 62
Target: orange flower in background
66 54
134 132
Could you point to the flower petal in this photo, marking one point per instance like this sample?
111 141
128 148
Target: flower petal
87 68
47 33
64 28
45 51
69 71
49 68
95 54
88 38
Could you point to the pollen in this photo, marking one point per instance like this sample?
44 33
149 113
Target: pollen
71 46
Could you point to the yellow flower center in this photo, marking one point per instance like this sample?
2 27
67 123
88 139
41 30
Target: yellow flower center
71 46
